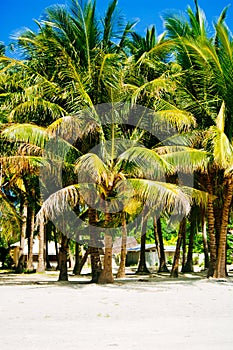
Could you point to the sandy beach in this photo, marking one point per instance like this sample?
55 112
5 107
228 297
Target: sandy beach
136 313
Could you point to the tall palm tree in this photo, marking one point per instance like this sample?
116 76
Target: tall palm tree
206 84
71 62
221 148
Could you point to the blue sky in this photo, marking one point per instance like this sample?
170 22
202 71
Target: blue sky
15 14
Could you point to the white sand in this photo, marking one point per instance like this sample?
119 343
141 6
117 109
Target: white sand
157 314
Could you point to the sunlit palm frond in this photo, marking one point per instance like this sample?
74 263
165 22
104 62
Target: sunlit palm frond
36 104
220 120
90 168
73 127
28 133
178 119
221 148
153 88
144 163
162 195
58 203
179 141
187 160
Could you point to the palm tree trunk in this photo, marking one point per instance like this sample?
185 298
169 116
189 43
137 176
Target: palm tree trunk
175 266
30 266
83 260
211 229
121 270
142 268
205 242
96 266
220 269
24 213
159 245
188 267
48 265
183 250
217 224
77 258
106 275
41 257
56 247
63 276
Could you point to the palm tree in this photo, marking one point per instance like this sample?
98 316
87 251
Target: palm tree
71 62
20 168
222 150
58 78
207 64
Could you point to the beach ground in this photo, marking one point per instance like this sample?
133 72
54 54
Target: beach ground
139 312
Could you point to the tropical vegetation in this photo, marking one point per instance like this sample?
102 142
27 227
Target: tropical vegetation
107 133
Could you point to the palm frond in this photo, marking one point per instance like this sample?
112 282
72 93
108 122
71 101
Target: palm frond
90 168
187 159
21 164
153 88
198 197
181 120
28 133
221 147
143 162
58 203
220 120
34 105
187 139
164 196
73 127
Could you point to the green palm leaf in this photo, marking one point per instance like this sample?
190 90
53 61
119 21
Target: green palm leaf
92 169
164 196
143 162
186 159
28 133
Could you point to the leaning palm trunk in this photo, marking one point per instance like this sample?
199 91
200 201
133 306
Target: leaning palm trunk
211 229
24 213
183 250
82 262
159 245
220 268
121 270
175 266
30 266
41 257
